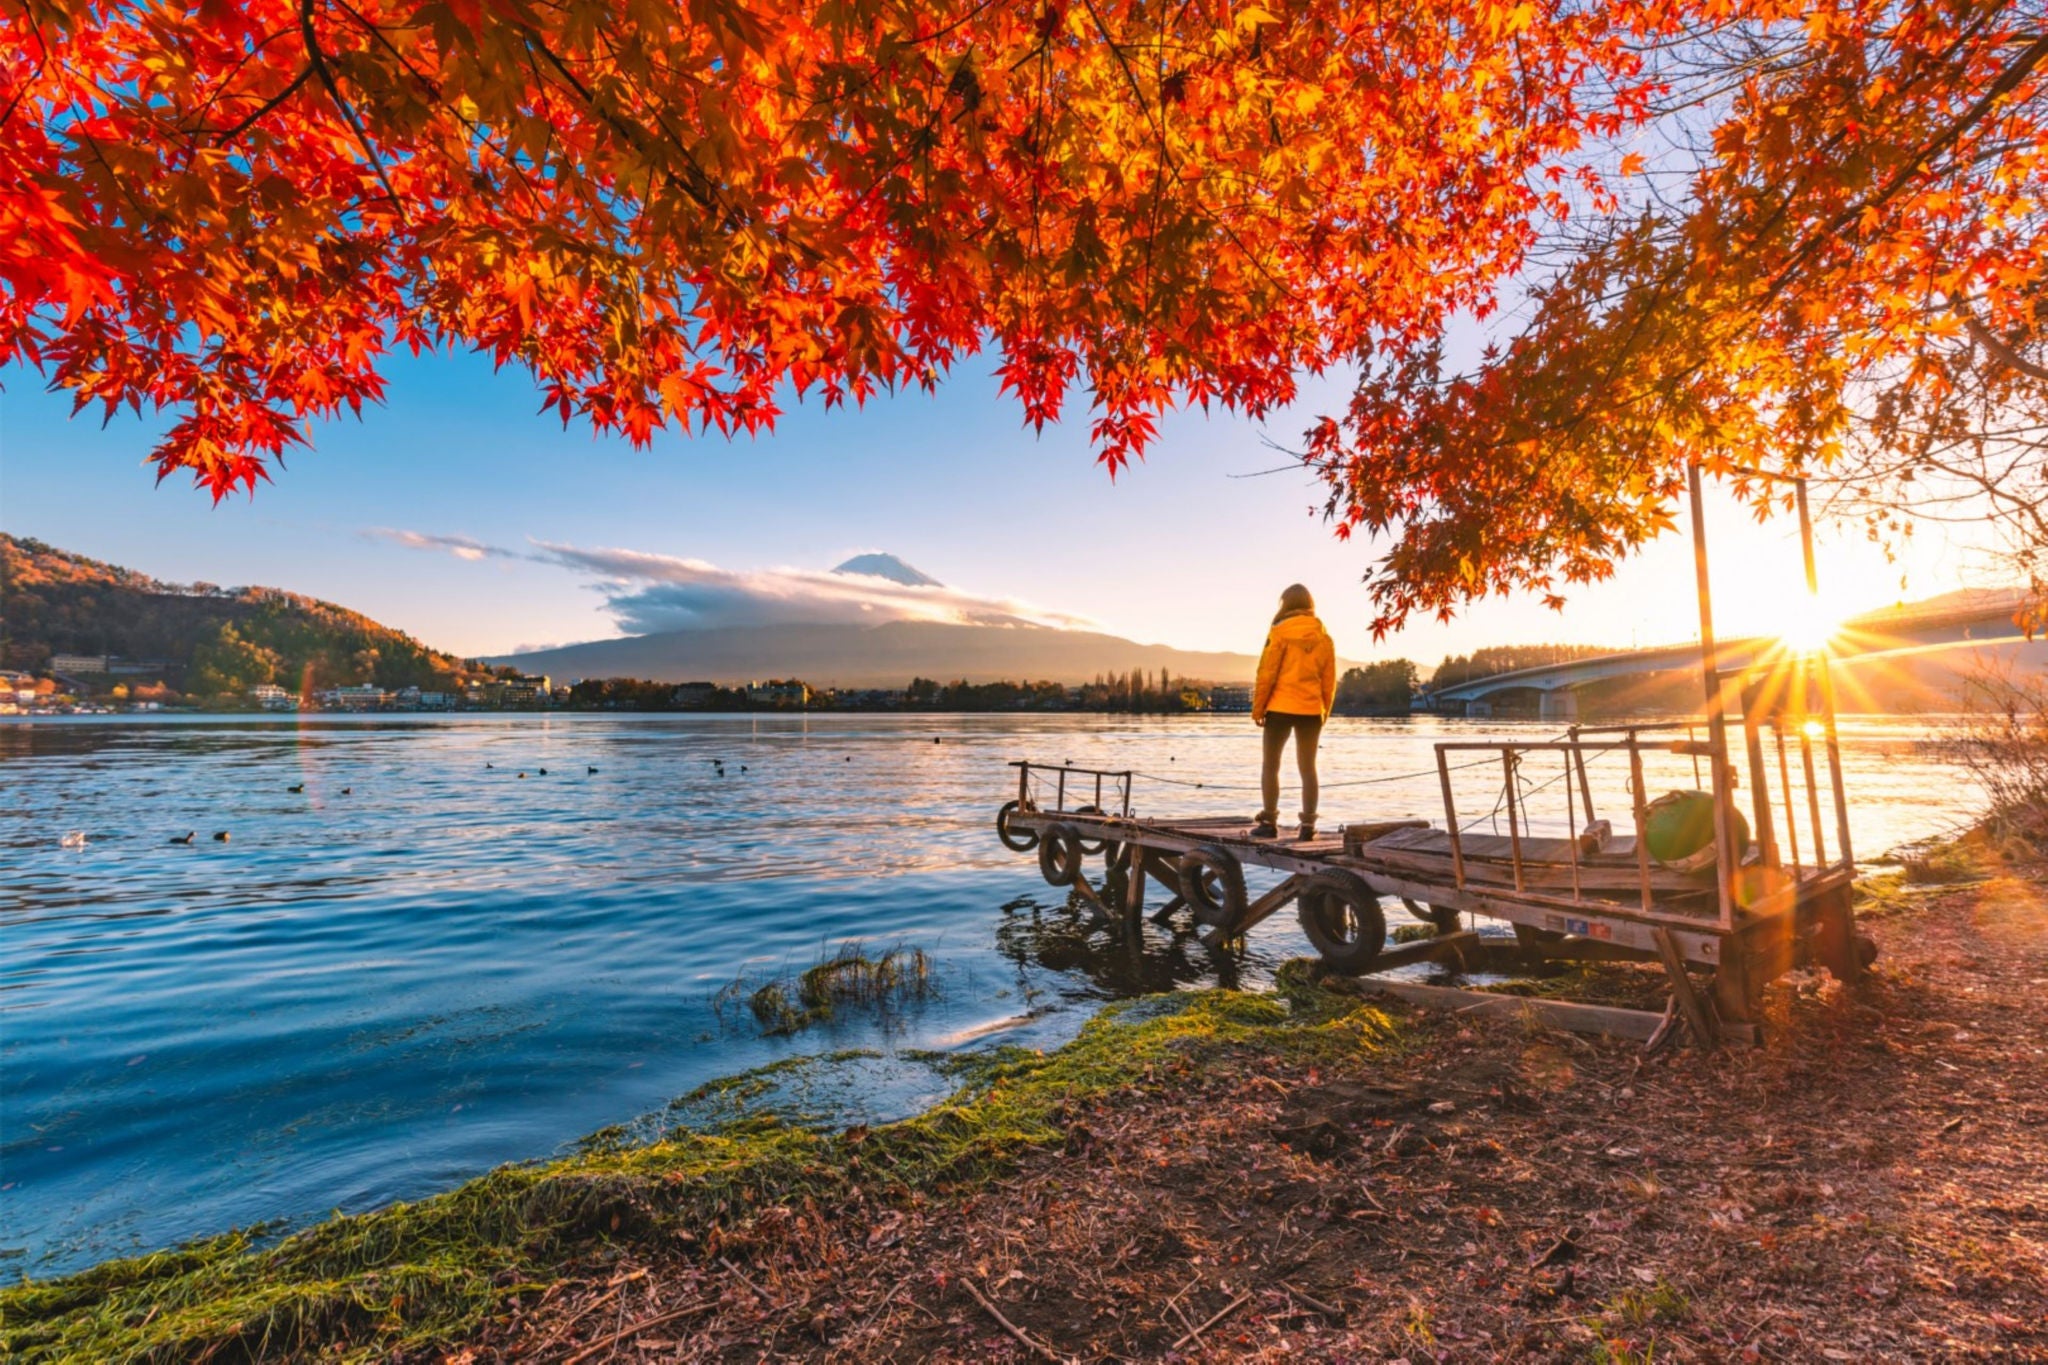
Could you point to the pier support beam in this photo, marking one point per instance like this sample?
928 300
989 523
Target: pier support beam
1559 703
1134 889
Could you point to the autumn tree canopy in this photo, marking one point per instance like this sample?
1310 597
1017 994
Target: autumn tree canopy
1831 259
665 209
1740 232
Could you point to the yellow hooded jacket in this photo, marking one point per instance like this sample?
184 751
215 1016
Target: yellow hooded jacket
1298 671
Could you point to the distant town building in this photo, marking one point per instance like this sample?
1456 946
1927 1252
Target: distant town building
271 697
436 701
776 692
693 696
527 689
1230 699
133 668
78 663
356 697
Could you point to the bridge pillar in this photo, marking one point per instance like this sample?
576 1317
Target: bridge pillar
1560 704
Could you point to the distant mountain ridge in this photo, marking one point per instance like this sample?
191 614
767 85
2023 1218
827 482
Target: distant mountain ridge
210 640
215 640
888 655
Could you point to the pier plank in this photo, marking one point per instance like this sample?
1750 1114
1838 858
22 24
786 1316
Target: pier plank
1609 1020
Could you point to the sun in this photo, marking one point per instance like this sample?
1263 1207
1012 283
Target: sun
1806 626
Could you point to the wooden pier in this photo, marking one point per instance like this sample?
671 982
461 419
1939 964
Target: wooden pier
1767 895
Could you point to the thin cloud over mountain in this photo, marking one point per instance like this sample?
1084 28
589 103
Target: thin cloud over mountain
647 593
462 547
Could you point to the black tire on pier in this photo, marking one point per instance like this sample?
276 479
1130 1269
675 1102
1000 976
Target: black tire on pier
1017 841
1109 848
1212 883
1059 854
1341 916
1442 916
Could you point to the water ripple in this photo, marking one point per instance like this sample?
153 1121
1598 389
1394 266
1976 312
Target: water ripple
373 993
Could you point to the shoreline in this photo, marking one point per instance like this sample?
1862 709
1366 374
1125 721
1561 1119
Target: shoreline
1344 1178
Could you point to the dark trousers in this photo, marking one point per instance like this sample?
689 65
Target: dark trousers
1307 730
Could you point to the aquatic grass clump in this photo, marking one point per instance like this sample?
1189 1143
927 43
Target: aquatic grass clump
848 976
775 1012
405 1278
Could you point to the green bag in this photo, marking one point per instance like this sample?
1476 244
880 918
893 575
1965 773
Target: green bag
1679 828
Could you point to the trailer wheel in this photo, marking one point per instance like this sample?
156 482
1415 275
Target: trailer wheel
1212 882
1341 916
1059 854
1017 841
1835 944
1442 916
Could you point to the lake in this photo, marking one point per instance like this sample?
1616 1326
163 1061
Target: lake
425 963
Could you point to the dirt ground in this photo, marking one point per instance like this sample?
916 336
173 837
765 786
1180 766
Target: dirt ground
1872 1184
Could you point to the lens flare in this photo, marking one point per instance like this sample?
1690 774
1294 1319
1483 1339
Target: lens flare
1807 626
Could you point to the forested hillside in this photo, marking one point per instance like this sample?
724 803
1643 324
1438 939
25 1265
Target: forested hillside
212 640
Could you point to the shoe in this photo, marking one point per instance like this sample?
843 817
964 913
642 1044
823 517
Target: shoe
1265 829
1308 833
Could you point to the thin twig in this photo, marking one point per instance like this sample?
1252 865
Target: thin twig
1327 1309
1012 1328
765 1296
615 1338
564 1329
1219 1316
887 1299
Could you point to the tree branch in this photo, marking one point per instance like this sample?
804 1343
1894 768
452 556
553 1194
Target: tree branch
2003 353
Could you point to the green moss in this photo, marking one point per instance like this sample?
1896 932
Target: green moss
404 1277
1625 985
751 1085
1662 1304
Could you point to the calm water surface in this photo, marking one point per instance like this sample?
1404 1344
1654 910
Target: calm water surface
373 993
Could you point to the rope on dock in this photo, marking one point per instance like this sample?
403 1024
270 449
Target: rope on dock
1327 786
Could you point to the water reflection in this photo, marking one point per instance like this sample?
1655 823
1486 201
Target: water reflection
371 996
1065 938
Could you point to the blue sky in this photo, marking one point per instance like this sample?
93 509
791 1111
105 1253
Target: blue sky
1181 549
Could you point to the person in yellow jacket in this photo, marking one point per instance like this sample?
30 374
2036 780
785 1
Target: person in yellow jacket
1297 682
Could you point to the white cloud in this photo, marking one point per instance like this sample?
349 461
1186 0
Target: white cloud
648 592
653 592
462 547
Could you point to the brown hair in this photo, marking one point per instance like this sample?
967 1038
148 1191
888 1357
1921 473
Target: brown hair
1295 598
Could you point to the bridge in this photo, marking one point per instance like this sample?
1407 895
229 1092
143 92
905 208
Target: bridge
1920 643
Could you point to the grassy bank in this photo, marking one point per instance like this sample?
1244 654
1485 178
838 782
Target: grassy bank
1867 1185
1289 1176
415 1274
